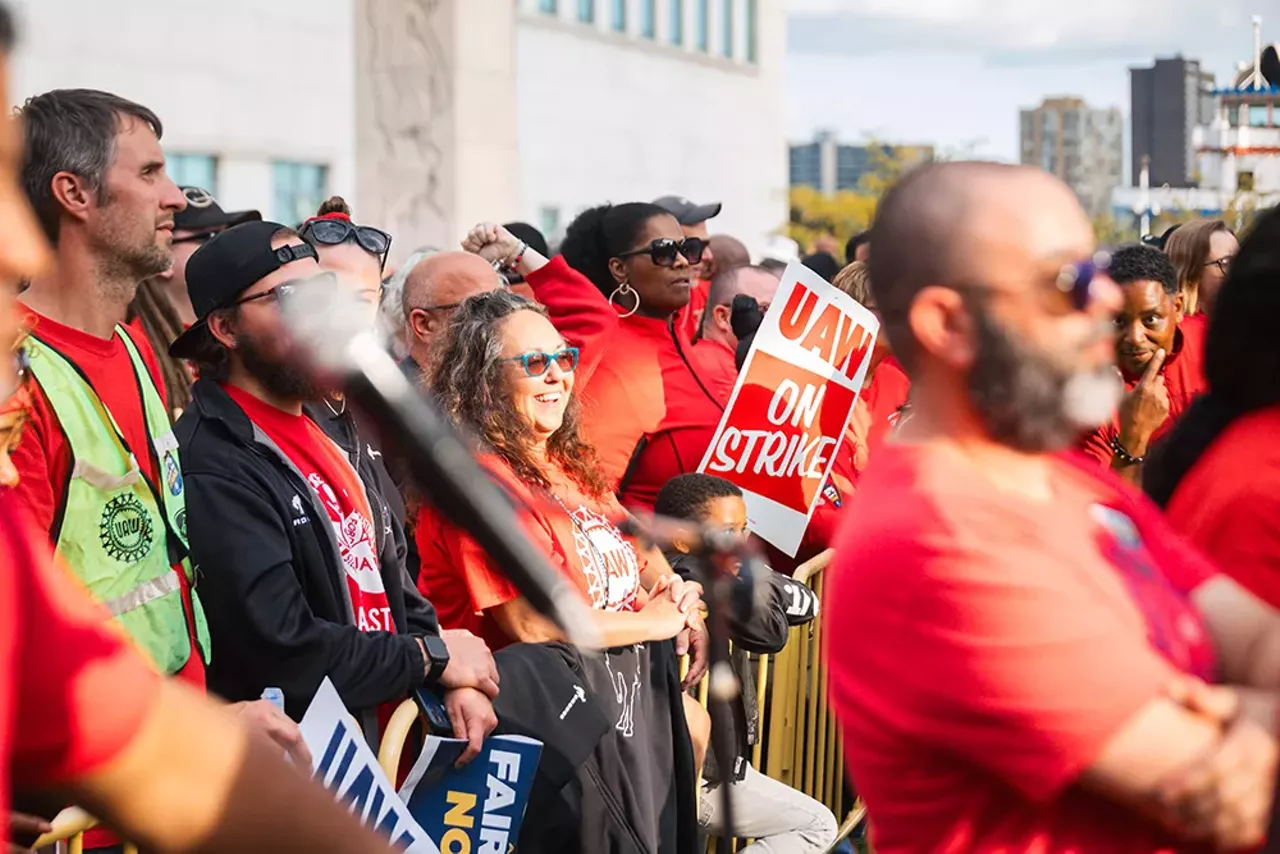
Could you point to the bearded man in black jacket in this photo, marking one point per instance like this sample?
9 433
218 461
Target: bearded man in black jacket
297 560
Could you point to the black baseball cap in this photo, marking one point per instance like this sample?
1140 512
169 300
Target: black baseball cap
203 213
227 266
686 211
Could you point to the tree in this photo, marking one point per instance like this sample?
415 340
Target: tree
843 214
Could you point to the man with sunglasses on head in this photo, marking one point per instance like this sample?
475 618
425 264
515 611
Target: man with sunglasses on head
300 578
1020 645
1160 355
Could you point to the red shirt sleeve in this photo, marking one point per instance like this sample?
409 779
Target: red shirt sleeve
578 310
1098 446
83 693
43 461
1025 674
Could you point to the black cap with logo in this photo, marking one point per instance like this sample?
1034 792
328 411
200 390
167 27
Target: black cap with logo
203 213
685 211
227 266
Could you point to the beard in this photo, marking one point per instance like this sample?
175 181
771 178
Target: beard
129 252
1028 400
279 379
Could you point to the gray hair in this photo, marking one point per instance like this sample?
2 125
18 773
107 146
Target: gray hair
391 309
72 130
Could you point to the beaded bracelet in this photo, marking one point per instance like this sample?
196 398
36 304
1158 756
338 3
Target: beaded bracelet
1124 456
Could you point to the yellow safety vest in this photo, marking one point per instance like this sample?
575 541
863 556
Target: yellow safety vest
118 532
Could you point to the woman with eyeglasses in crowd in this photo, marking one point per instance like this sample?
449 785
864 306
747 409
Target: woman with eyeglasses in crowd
1202 251
652 377
505 375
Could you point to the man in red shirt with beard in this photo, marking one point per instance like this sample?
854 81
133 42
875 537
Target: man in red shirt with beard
1160 352
98 469
1018 648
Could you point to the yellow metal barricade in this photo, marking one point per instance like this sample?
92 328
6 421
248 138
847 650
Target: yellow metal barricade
69 827
800 743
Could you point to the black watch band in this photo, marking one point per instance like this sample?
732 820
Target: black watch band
437 656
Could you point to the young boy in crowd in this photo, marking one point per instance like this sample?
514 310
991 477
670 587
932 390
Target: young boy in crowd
766 605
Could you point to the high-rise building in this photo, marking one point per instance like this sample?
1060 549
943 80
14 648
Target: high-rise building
1169 100
1081 145
830 167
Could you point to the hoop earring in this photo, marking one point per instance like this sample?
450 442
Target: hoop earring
625 288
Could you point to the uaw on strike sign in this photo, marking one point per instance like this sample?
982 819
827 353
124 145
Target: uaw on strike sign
795 393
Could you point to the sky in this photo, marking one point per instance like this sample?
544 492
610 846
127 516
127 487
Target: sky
955 72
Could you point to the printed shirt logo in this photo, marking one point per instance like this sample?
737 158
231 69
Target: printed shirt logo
1172 627
359 551
125 529
832 495
612 587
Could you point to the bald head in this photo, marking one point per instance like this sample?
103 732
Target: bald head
756 282
956 223
729 252
434 289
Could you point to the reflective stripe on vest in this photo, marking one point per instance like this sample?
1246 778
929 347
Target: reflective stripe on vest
120 534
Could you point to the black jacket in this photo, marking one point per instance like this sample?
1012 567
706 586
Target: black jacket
272 579
760 622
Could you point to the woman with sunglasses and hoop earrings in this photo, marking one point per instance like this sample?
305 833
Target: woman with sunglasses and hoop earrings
651 377
504 374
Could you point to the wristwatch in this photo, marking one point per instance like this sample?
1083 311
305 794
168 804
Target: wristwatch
437 656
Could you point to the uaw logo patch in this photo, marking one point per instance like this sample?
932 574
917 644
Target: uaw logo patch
181 519
832 495
125 529
172 474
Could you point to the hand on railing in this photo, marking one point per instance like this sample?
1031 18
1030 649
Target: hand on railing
813 566
21 824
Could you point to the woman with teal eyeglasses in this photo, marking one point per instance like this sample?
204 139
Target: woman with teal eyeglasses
505 376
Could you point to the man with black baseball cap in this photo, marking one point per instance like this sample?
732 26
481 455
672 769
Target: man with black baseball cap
193 226
693 222
300 573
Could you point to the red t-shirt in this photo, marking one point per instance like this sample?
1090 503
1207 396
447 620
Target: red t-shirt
1228 504
72 693
463 582
43 457
985 648
341 491
1183 372
689 318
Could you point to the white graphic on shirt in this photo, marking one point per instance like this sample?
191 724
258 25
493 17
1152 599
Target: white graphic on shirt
608 562
625 695
356 544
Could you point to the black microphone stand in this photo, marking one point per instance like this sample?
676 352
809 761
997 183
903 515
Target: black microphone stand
714 553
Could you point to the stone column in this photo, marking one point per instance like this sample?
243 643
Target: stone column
435 116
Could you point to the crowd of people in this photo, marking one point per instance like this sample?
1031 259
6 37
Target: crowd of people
1025 651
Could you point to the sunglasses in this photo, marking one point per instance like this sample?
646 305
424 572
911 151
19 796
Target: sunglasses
283 290
1076 280
663 252
332 232
537 363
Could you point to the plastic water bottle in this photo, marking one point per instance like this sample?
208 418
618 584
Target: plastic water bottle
274 696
